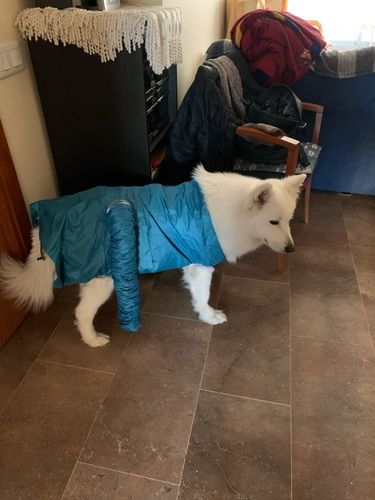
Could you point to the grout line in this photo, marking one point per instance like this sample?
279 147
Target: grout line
193 415
32 364
88 435
285 283
74 366
95 418
245 397
198 393
175 317
128 473
359 289
123 352
316 339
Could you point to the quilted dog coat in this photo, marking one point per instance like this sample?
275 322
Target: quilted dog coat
126 231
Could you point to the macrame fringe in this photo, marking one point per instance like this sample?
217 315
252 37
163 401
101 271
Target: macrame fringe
107 32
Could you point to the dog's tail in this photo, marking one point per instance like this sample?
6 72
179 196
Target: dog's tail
28 284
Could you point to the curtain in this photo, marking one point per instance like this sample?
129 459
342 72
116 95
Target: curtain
236 8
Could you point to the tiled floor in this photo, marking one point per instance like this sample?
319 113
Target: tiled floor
277 403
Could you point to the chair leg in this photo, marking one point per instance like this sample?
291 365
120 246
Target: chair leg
307 201
281 262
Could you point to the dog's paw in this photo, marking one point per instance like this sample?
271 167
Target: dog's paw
219 317
213 317
99 340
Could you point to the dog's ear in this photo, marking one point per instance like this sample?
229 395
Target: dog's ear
294 182
261 194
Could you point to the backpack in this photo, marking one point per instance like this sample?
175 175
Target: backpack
278 106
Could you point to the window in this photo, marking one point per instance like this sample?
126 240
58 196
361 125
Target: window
346 25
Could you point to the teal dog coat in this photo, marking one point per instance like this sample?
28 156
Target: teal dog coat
125 231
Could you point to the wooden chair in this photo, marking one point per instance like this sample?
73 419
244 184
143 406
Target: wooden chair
291 166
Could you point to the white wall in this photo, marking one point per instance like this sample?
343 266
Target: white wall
21 116
203 22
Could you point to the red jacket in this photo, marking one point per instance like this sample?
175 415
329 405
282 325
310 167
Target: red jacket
279 46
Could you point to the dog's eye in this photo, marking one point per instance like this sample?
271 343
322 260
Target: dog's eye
275 222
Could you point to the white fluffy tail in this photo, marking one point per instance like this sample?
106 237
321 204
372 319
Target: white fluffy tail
29 284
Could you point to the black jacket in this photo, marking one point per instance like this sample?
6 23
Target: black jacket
204 127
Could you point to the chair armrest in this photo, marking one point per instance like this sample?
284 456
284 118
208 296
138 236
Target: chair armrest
280 140
309 106
292 145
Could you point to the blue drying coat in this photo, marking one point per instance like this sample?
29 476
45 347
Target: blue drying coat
126 231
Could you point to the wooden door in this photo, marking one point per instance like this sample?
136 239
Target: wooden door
14 232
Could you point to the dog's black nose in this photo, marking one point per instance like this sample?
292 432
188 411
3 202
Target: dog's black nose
289 248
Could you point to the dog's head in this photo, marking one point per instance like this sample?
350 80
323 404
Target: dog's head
272 204
248 212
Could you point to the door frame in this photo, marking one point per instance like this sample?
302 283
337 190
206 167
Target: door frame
15 231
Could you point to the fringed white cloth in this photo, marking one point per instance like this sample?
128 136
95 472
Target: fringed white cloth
107 32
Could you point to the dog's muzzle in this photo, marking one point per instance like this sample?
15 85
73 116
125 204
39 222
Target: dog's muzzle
289 248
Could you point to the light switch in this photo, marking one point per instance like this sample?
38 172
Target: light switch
15 57
10 59
4 61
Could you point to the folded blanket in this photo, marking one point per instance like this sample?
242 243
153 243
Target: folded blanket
230 82
346 63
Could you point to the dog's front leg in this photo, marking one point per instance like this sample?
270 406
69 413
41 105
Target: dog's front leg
93 294
198 280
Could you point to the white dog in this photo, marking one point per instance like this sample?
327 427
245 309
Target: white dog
246 213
